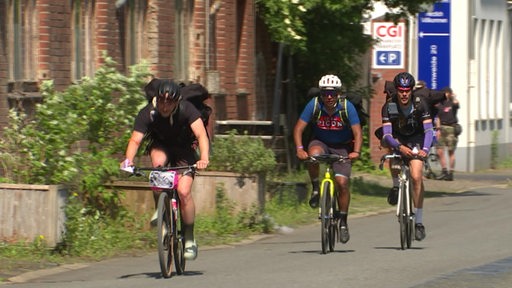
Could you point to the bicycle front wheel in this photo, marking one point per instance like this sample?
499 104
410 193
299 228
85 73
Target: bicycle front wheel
325 204
410 222
402 214
178 239
164 235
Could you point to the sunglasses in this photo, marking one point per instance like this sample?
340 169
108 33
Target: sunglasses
327 93
400 89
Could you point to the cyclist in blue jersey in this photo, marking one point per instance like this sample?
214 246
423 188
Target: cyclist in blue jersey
331 135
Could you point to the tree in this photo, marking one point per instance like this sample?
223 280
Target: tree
326 36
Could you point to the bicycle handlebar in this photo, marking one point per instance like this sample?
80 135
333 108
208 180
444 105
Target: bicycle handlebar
137 171
328 158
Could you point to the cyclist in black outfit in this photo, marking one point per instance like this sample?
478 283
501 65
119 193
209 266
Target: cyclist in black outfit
171 127
407 128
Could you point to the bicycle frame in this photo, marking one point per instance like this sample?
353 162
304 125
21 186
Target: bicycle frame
327 179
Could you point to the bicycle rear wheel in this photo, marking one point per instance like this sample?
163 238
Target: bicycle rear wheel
324 216
178 239
164 235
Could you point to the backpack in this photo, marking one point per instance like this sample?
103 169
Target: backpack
355 99
194 93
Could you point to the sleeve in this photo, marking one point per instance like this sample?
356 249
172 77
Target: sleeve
143 119
191 112
307 113
385 113
353 117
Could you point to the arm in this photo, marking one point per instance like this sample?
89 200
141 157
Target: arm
204 143
132 148
297 137
429 136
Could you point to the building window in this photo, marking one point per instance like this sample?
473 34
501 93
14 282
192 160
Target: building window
82 31
21 40
182 24
131 15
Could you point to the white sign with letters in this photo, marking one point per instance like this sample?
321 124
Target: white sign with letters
388 52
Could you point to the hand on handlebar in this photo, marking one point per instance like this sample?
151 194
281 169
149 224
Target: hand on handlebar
302 154
202 164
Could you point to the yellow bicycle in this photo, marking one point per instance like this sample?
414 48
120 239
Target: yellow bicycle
328 208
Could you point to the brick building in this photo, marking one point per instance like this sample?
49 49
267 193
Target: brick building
210 42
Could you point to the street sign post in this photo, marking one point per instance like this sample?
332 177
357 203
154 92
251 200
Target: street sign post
434 46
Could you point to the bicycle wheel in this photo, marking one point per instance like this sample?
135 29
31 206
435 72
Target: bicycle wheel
164 235
410 222
432 165
402 215
333 227
324 216
178 239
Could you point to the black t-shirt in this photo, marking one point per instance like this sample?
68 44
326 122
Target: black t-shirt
160 129
409 120
447 112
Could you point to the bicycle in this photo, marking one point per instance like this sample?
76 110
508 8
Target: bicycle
404 207
328 209
433 167
170 236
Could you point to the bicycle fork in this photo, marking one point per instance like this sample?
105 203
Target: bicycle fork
327 179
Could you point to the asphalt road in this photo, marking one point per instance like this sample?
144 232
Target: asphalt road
468 244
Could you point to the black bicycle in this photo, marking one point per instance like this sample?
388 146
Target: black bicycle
404 207
170 237
328 208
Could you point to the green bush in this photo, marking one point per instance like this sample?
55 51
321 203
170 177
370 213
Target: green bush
241 154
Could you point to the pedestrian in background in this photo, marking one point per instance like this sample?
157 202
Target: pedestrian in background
447 133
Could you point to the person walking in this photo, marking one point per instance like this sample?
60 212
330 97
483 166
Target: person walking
446 133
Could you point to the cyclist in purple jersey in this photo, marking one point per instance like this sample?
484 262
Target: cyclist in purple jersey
331 135
407 128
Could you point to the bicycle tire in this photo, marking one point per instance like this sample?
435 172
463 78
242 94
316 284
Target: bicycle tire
402 215
324 216
410 222
164 235
178 238
334 228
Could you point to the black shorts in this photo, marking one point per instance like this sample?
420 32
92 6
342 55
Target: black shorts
176 156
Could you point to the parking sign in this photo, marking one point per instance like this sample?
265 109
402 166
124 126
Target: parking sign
388 53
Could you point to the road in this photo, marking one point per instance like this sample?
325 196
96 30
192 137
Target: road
468 244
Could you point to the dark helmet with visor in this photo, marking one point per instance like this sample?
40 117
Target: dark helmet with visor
169 91
404 81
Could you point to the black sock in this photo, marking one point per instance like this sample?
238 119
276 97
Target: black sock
316 185
188 230
343 218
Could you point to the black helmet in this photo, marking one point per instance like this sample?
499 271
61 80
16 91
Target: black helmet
168 89
404 80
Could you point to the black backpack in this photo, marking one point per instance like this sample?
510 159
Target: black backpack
194 93
355 99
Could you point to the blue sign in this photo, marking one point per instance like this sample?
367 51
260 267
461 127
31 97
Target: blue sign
389 58
434 46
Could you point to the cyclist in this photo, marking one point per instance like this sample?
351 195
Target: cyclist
331 135
407 128
171 126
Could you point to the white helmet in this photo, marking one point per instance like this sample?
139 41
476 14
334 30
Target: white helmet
330 82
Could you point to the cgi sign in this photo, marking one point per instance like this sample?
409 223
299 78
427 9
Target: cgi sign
388 53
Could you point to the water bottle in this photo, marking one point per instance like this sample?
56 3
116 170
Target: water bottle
174 205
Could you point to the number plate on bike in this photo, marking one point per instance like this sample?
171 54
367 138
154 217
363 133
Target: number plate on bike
163 179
